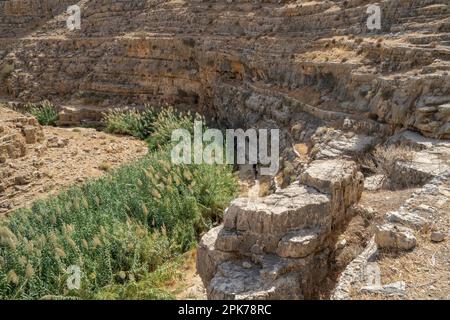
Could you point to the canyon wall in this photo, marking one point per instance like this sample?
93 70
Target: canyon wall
246 63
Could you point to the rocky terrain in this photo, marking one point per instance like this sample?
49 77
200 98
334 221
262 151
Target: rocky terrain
38 161
337 90
277 248
408 250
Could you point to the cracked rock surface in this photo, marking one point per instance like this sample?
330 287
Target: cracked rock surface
278 247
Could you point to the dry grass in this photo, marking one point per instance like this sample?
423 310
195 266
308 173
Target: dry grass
385 160
105 166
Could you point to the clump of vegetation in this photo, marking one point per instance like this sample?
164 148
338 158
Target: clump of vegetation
124 230
6 71
152 287
45 112
153 126
166 121
131 122
105 166
387 93
388 157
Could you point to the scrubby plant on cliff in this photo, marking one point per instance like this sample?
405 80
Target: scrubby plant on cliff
123 230
45 112
385 160
5 71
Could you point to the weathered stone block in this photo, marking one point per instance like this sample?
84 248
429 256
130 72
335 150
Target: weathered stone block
389 236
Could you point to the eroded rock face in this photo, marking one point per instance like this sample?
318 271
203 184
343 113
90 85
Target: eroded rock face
277 247
238 61
16 132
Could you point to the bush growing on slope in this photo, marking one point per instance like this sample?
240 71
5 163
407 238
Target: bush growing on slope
154 126
45 113
5 71
130 121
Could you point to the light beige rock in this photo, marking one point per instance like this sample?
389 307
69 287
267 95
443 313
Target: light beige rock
339 178
437 236
390 236
375 182
298 244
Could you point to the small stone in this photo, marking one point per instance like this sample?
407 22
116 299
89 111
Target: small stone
246 265
437 236
341 244
391 236
406 218
374 183
21 180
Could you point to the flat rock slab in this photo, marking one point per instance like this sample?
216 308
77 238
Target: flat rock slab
391 289
295 207
406 218
238 281
326 175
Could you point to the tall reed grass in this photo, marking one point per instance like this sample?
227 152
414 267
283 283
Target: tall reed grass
122 230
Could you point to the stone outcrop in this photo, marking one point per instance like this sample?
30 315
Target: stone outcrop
278 246
16 132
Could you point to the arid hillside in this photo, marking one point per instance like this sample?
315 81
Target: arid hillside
360 206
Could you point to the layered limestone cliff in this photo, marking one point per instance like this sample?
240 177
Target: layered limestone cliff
311 68
247 63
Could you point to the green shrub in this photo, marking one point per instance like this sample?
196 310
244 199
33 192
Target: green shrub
6 71
45 113
153 126
165 122
151 287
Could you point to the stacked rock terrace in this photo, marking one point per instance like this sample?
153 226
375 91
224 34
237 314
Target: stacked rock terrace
278 247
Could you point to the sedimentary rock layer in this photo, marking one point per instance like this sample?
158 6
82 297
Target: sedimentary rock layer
244 62
278 247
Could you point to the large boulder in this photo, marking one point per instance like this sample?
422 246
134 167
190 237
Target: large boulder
338 178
